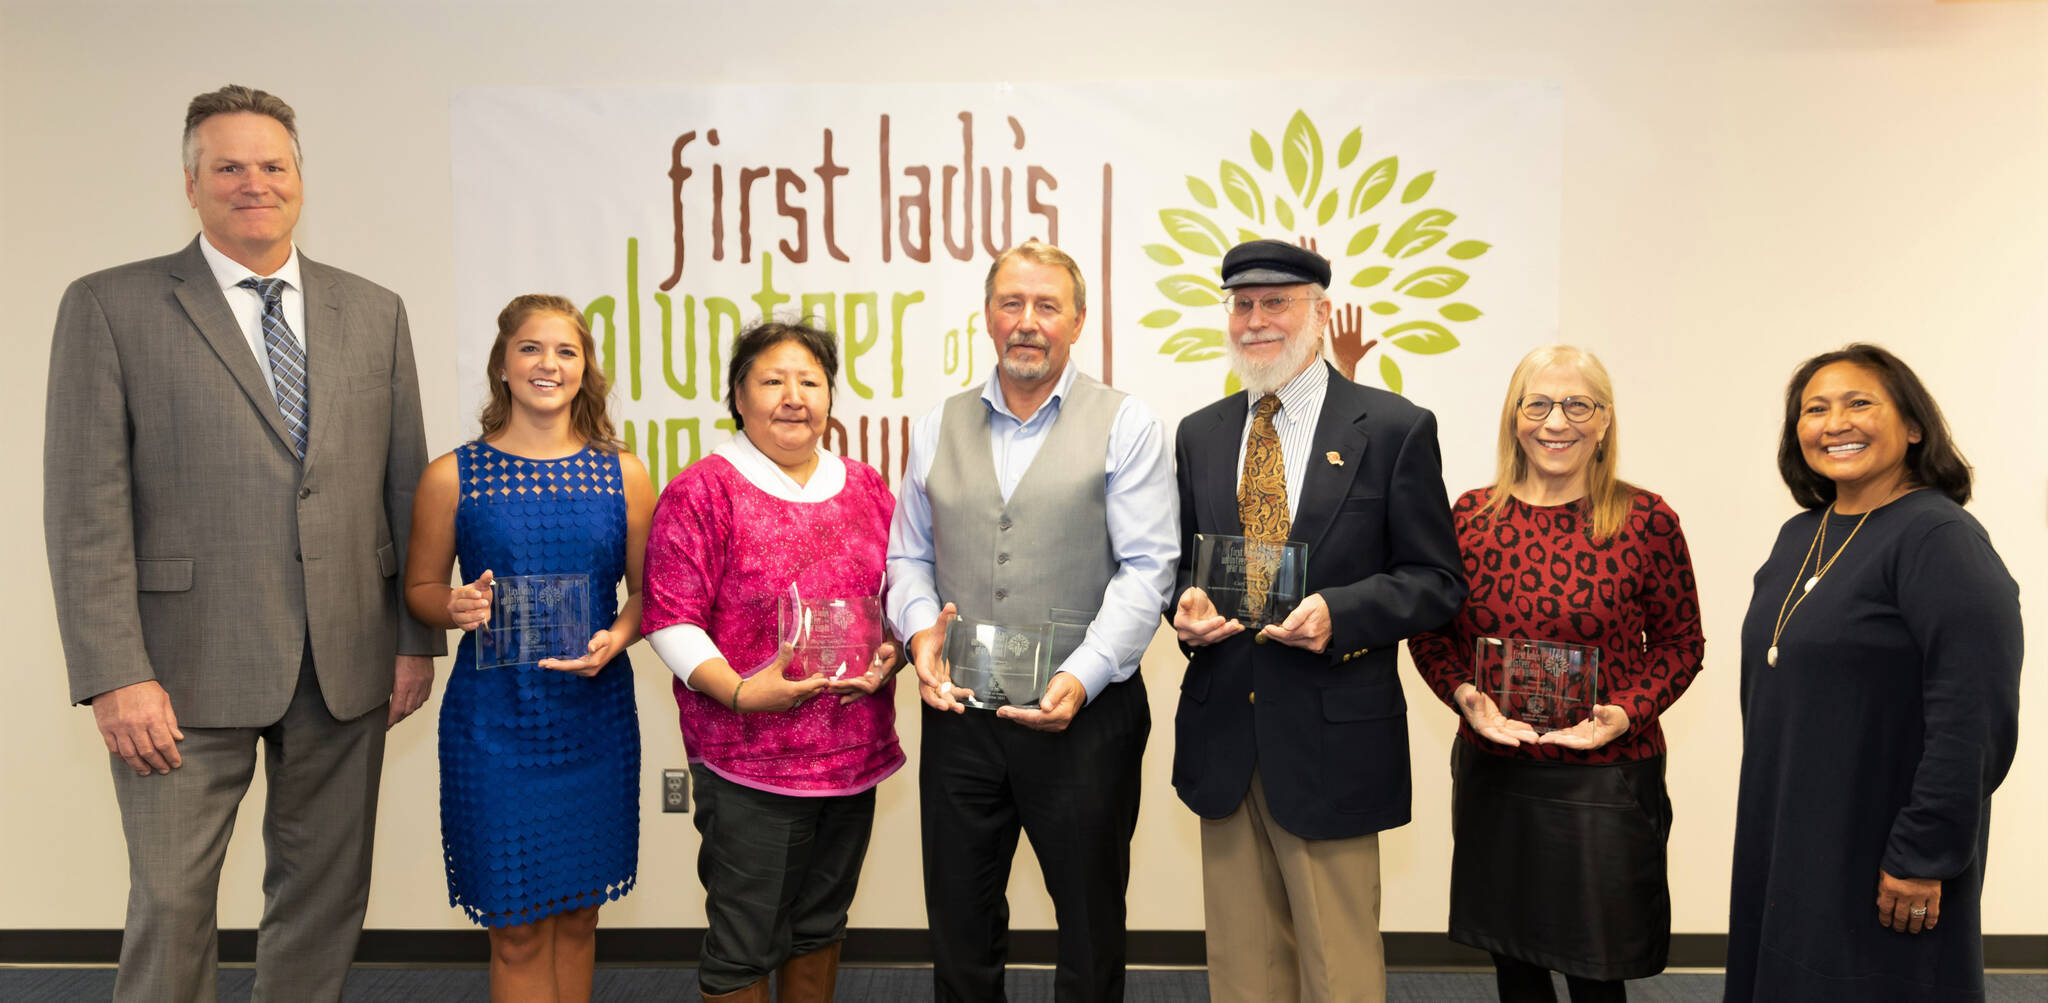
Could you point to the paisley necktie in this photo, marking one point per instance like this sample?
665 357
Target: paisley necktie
1262 505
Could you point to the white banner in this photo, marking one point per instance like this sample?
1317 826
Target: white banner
678 216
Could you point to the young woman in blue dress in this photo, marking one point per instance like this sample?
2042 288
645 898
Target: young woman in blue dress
539 761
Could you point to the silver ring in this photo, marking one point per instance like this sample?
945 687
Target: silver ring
1922 911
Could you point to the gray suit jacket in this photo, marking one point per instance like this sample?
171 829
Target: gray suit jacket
186 543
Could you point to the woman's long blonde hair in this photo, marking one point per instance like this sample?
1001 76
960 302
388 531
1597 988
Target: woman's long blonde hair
588 415
1608 497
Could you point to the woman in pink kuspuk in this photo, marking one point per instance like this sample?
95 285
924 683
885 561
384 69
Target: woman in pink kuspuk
784 769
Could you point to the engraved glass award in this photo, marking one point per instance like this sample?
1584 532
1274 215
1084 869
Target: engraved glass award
535 617
1254 582
834 638
1547 685
997 664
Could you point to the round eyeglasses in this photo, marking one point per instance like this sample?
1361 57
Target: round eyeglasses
1271 306
1576 409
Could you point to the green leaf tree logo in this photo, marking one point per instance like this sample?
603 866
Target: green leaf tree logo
1398 256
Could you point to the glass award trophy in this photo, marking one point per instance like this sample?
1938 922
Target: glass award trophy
535 617
1065 630
1255 582
996 664
834 638
1547 685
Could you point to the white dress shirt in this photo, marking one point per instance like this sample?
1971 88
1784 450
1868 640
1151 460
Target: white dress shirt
247 304
1143 511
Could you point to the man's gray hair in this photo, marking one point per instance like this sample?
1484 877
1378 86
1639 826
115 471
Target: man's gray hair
231 100
1040 252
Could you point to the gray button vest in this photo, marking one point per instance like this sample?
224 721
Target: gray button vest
1046 548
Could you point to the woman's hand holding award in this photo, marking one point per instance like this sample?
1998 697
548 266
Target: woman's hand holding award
535 617
1546 685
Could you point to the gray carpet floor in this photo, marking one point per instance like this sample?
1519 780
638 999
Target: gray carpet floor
876 985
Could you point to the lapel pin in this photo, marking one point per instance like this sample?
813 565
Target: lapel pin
1335 459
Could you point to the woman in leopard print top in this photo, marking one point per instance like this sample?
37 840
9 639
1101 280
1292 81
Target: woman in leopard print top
1559 862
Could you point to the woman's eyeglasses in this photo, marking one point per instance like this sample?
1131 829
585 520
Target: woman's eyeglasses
1576 409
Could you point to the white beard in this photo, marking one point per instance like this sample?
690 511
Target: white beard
1262 378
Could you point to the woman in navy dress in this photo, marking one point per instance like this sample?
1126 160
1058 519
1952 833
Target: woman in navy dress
540 819
1880 705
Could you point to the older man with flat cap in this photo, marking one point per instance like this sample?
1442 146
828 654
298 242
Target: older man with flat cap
1291 740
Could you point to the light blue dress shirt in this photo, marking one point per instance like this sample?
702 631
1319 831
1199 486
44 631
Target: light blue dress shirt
1143 516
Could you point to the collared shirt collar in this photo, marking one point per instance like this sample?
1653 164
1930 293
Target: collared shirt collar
1304 392
992 393
229 272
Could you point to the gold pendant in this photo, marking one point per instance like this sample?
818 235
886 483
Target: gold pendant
1771 656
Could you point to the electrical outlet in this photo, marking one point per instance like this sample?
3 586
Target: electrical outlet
675 791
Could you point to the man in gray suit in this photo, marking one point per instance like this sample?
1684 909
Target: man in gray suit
233 442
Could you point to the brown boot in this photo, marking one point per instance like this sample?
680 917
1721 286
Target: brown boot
809 978
756 993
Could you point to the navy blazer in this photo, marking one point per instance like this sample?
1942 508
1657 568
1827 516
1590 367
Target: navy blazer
1328 732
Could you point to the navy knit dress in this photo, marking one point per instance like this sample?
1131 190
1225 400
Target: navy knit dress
1874 742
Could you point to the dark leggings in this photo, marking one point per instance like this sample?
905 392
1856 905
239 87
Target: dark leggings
1522 982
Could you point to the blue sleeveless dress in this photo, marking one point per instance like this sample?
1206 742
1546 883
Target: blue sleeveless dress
540 811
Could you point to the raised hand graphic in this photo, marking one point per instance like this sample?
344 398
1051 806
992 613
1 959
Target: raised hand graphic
1348 341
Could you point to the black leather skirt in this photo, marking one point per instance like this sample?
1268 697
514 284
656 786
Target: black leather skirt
1560 864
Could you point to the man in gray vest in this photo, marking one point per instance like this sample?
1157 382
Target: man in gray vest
1041 491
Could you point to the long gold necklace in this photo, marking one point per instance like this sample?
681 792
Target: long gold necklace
1789 606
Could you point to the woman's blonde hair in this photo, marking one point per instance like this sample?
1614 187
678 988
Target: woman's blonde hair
1608 497
588 415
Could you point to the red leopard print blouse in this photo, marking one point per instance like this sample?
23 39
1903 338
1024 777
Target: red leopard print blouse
1534 574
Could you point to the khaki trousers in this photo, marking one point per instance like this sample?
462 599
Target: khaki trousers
1290 918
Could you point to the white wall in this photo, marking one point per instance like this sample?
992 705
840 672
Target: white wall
1745 184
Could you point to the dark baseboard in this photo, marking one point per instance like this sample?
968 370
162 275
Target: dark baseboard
679 946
